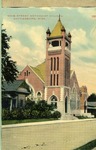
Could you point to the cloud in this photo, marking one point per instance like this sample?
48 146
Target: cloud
24 55
83 57
87 12
37 35
78 37
86 72
20 51
93 33
10 26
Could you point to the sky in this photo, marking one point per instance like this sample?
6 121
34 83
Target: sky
28 26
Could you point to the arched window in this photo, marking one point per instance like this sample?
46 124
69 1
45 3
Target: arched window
54 101
57 63
55 43
27 72
51 63
54 63
54 79
51 79
57 79
74 94
39 95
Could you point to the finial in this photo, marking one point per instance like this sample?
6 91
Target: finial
48 31
59 17
69 35
63 29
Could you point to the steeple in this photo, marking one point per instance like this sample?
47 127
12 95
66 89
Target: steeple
58 29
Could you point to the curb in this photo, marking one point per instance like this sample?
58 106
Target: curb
44 123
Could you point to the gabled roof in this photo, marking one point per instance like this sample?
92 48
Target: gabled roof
40 70
57 29
13 87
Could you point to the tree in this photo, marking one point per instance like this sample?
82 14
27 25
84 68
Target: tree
91 102
92 98
9 69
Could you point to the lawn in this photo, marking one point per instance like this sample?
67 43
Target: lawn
7 122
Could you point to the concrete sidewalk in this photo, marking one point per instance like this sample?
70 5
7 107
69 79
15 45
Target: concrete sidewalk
54 135
44 123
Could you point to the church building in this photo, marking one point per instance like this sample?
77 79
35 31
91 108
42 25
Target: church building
53 80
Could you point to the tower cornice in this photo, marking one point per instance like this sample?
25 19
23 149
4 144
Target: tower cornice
55 37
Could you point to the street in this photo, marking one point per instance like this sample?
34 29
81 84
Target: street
60 135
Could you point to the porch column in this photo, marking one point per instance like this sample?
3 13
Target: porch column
10 104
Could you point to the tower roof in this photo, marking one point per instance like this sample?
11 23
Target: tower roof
57 31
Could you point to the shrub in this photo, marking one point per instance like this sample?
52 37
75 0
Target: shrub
6 115
20 114
42 105
56 115
48 114
27 113
45 114
14 113
30 105
35 114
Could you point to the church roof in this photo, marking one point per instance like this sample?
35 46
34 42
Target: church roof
40 70
57 29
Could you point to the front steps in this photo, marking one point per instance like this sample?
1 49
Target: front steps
68 117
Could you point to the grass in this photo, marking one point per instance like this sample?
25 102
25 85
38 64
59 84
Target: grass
7 122
88 146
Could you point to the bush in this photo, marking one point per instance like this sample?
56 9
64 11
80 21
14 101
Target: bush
48 114
27 113
35 114
42 105
30 105
56 115
6 115
45 114
32 110
14 113
20 114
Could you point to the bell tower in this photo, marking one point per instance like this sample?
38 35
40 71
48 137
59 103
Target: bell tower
58 56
